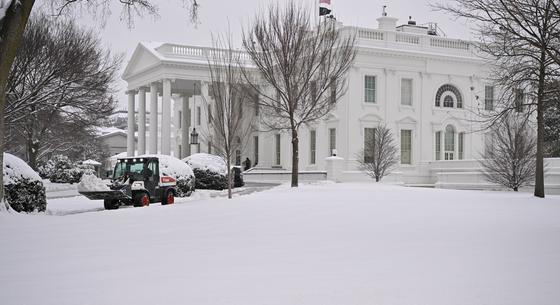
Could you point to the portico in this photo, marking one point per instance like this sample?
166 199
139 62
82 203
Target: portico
177 97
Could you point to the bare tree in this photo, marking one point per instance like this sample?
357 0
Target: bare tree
12 26
380 154
509 157
229 125
520 37
60 84
301 70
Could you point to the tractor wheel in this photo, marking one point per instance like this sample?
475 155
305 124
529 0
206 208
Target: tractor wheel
169 198
141 199
110 204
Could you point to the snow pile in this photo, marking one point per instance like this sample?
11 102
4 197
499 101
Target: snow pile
15 169
209 162
90 183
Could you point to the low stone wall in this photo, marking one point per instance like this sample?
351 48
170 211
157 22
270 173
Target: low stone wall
281 175
456 174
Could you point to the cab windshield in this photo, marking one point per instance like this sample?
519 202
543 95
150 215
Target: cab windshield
130 168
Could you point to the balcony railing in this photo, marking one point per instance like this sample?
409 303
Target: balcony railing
366 37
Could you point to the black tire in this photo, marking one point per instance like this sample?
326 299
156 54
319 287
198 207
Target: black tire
168 198
110 204
141 199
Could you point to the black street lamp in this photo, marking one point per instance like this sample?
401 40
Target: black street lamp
194 137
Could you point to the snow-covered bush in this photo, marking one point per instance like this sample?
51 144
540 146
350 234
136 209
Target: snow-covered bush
23 188
65 171
209 170
182 172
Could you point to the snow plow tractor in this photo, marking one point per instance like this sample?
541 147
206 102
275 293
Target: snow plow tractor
139 181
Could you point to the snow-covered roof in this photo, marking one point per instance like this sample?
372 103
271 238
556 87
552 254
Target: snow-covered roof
91 162
108 131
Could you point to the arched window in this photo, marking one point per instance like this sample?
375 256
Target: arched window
449 96
448 101
449 142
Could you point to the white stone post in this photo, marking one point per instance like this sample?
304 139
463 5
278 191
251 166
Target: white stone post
166 118
335 166
185 124
130 131
142 121
153 118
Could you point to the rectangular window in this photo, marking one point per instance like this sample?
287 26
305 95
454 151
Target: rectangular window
278 159
198 117
406 146
461 145
369 89
369 144
180 119
209 115
438 145
332 141
312 146
180 152
518 102
406 91
488 98
256 149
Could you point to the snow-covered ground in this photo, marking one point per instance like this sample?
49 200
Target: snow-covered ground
319 244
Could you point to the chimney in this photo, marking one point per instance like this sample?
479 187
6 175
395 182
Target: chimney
385 22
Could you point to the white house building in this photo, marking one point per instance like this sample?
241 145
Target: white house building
428 89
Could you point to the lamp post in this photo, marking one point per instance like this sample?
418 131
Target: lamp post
194 141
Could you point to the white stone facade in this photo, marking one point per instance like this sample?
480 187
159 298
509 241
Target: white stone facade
421 86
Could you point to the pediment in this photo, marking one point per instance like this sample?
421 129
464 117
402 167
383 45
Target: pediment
331 117
407 120
142 58
370 117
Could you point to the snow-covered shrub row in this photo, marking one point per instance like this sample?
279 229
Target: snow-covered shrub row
60 169
182 172
210 171
23 188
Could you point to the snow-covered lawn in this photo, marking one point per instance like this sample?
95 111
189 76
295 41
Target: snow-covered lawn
319 244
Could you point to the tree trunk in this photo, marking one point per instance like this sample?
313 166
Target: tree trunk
13 26
376 178
539 169
228 164
295 158
32 149
515 189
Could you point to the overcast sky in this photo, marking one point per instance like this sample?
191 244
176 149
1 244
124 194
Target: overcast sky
173 26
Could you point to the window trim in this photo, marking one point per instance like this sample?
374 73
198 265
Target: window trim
330 147
364 100
409 144
411 91
313 147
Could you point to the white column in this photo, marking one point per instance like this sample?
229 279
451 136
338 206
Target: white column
130 130
153 118
185 124
166 118
142 121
